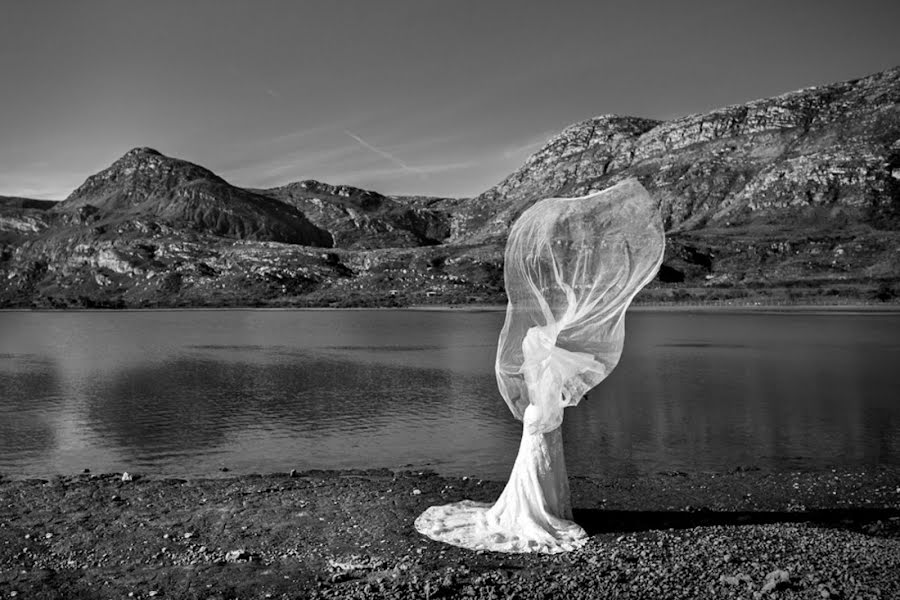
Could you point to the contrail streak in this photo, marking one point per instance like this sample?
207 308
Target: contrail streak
382 153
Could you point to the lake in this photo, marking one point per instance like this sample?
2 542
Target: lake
186 392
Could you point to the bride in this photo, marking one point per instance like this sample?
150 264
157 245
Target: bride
572 267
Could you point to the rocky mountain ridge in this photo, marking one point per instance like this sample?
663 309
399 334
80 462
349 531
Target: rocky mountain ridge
363 219
788 199
832 149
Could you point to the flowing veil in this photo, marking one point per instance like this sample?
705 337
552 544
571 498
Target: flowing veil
571 268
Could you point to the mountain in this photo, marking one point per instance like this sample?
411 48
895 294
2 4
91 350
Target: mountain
362 219
827 153
799 193
147 189
152 230
788 199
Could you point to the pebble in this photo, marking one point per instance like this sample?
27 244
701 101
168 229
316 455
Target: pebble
126 476
777 580
237 555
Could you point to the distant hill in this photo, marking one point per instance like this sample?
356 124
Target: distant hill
14 202
22 215
362 219
788 199
153 189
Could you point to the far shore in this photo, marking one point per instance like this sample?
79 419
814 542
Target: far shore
886 307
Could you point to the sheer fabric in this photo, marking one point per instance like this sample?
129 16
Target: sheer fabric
572 267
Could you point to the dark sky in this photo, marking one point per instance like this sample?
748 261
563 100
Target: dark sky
442 98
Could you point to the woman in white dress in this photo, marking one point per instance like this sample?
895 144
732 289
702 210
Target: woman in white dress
572 267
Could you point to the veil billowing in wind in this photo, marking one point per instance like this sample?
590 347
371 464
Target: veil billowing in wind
572 267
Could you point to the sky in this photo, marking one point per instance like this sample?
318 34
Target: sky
403 97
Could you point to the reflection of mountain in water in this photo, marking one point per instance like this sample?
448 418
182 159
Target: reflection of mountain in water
775 401
185 392
26 426
190 404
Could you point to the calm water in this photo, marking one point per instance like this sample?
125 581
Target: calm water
186 392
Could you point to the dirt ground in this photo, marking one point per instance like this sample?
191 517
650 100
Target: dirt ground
349 534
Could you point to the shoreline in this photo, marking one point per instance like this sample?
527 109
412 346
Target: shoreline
884 308
349 534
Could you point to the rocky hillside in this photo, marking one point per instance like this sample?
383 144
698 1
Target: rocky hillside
829 153
152 230
363 220
22 215
799 193
146 190
787 199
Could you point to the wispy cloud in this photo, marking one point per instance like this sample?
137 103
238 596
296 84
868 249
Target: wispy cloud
352 172
322 128
429 169
296 163
333 152
293 136
383 153
391 179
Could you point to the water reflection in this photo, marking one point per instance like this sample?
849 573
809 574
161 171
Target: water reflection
26 427
187 391
804 391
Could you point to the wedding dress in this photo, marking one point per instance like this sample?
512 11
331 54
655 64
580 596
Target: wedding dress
572 267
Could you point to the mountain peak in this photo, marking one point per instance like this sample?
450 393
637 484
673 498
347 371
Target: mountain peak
143 151
146 184
138 174
142 155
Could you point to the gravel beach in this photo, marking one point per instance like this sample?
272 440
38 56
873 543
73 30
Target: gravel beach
743 534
